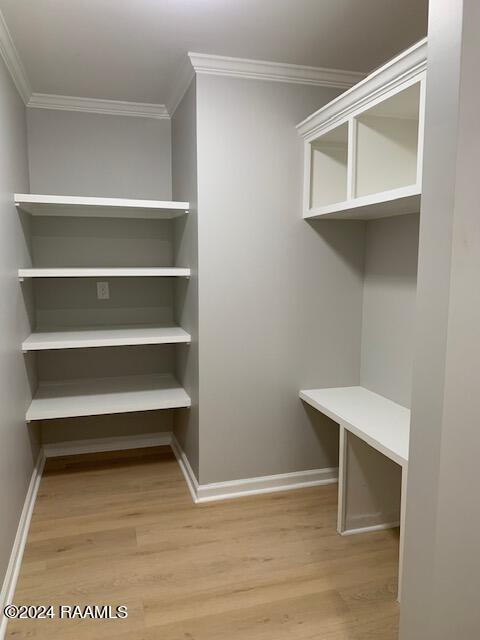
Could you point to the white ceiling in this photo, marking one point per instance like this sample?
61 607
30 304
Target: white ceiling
132 49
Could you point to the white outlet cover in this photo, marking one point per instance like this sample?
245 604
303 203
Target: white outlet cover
103 291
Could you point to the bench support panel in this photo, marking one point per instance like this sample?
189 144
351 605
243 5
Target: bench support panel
371 490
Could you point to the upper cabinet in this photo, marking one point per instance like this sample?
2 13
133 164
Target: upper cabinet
363 150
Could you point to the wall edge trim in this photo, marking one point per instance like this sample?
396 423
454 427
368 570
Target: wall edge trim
99 445
266 484
98 106
13 568
273 71
13 62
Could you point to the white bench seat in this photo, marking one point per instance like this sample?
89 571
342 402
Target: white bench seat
383 424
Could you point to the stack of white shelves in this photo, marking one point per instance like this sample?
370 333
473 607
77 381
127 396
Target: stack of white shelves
98 396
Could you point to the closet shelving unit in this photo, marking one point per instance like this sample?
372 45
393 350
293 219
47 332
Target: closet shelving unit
363 160
119 393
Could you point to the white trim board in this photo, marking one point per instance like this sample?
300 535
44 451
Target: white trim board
370 529
216 491
399 71
99 445
185 468
13 569
273 71
265 484
183 80
202 63
12 60
96 105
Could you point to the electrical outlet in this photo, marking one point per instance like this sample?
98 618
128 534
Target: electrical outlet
103 291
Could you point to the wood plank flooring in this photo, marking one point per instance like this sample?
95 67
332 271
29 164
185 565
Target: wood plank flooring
121 529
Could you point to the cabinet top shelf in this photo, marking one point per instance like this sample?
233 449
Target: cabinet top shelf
79 206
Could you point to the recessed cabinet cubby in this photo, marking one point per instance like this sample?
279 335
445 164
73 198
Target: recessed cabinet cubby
386 148
368 163
329 167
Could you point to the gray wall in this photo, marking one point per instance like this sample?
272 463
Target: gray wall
184 174
72 153
280 300
19 447
101 155
389 305
442 564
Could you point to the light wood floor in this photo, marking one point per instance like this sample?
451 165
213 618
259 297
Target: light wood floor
271 567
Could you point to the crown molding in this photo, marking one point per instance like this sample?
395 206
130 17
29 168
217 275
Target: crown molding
13 62
273 71
183 80
95 105
397 71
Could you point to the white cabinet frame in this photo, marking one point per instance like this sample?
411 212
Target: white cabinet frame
399 74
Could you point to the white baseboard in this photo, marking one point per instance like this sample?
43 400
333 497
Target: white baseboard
184 464
99 445
266 484
249 486
368 529
13 569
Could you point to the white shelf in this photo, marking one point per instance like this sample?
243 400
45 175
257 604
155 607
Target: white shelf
383 424
105 396
86 337
103 272
396 202
51 205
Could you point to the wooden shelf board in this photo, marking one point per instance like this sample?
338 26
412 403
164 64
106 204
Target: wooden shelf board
77 206
379 205
383 424
86 337
105 396
103 272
